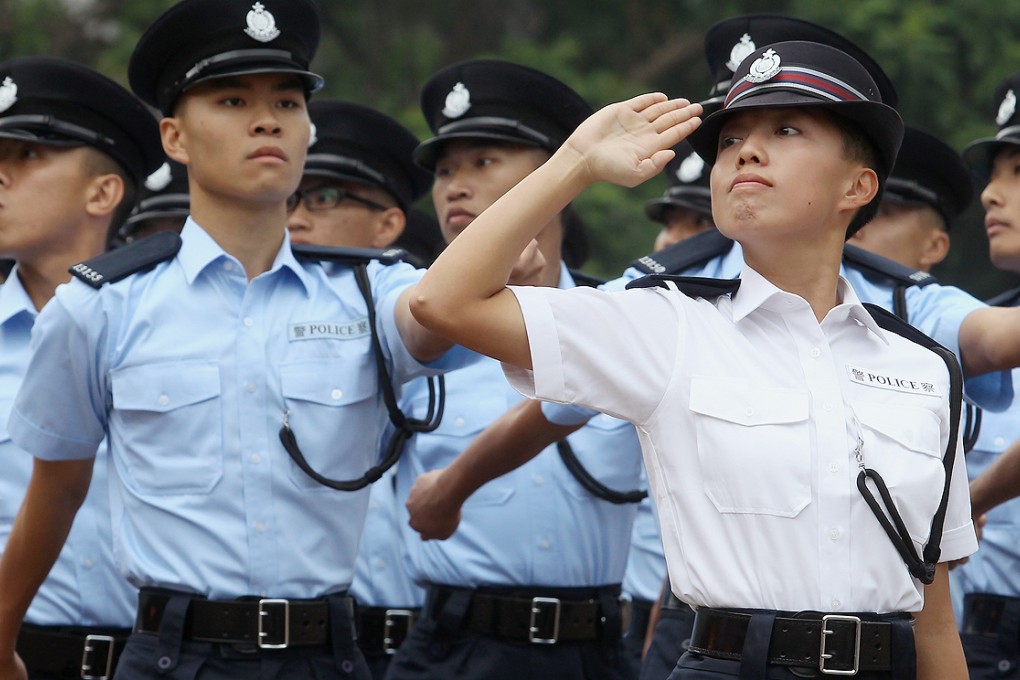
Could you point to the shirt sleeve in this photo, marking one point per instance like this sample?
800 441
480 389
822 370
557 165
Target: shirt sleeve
958 537
613 352
60 410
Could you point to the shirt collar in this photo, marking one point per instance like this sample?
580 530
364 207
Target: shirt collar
566 280
757 292
14 299
199 250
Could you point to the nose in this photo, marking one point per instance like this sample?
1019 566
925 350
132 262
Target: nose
299 219
751 149
990 195
265 122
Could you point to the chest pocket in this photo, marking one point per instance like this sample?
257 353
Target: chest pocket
903 444
753 446
335 416
167 420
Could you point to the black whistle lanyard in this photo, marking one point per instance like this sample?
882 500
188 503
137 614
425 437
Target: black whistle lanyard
404 427
922 567
592 485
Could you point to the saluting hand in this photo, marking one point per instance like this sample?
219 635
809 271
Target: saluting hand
433 514
629 142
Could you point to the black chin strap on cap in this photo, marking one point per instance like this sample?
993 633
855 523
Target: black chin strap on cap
404 427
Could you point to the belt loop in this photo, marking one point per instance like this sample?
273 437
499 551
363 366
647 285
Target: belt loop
611 625
754 659
171 633
451 614
902 651
1009 628
342 634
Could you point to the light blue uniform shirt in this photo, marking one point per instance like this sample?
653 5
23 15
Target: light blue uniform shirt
380 574
84 587
190 368
535 526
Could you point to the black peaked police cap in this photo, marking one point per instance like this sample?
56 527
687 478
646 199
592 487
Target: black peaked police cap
61 103
929 171
164 194
979 154
197 40
359 144
688 177
727 42
501 101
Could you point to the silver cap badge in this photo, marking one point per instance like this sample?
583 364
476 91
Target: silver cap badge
8 94
313 137
261 23
765 67
740 51
1007 108
690 169
160 179
457 102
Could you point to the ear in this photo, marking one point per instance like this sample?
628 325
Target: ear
389 226
105 192
936 248
172 135
863 188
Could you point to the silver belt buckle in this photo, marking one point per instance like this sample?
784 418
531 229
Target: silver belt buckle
823 656
392 615
87 666
263 633
538 606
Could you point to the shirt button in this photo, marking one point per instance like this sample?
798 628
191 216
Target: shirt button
827 406
1000 442
833 467
459 422
250 387
836 604
260 527
544 544
249 322
539 480
380 564
87 563
228 265
164 400
336 394
749 411
256 458
815 352
835 533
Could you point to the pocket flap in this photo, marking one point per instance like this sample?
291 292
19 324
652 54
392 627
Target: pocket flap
165 386
329 383
912 427
737 402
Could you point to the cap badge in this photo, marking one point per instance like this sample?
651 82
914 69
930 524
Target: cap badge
313 137
765 67
690 169
261 24
160 179
1007 108
8 94
740 51
457 102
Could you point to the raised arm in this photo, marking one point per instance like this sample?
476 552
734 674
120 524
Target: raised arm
54 494
511 441
464 297
988 340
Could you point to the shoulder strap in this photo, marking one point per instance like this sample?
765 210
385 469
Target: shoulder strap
876 264
923 567
689 253
120 263
585 279
692 286
350 256
1010 298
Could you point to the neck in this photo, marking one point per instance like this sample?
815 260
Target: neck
40 274
808 270
251 232
550 244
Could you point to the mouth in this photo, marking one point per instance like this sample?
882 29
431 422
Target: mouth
994 226
749 181
268 152
459 218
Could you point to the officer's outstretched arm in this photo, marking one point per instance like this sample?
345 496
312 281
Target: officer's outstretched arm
988 340
999 482
516 437
464 297
55 492
939 652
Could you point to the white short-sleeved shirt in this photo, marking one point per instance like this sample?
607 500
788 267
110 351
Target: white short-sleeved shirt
748 410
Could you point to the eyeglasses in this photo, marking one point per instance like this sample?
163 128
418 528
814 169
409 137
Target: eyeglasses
327 198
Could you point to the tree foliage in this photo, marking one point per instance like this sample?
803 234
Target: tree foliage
945 56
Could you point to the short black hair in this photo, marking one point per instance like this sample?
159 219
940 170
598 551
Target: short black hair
99 163
859 147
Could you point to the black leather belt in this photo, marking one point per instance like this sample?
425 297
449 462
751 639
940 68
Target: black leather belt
833 644
266 623
71 652
984 614
382 630
539 620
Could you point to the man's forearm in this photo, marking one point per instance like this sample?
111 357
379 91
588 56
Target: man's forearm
999 483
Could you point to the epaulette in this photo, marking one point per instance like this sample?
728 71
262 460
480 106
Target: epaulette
349 256
120 263
876 264
894 324
692 286
585 279
1011 298
687 254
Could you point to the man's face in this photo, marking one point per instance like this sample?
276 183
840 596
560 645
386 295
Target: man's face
244 138
906 233
1001 201
781 173
680 223
43 193
351 223
471 175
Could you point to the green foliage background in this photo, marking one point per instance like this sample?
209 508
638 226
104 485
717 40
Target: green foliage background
945 56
